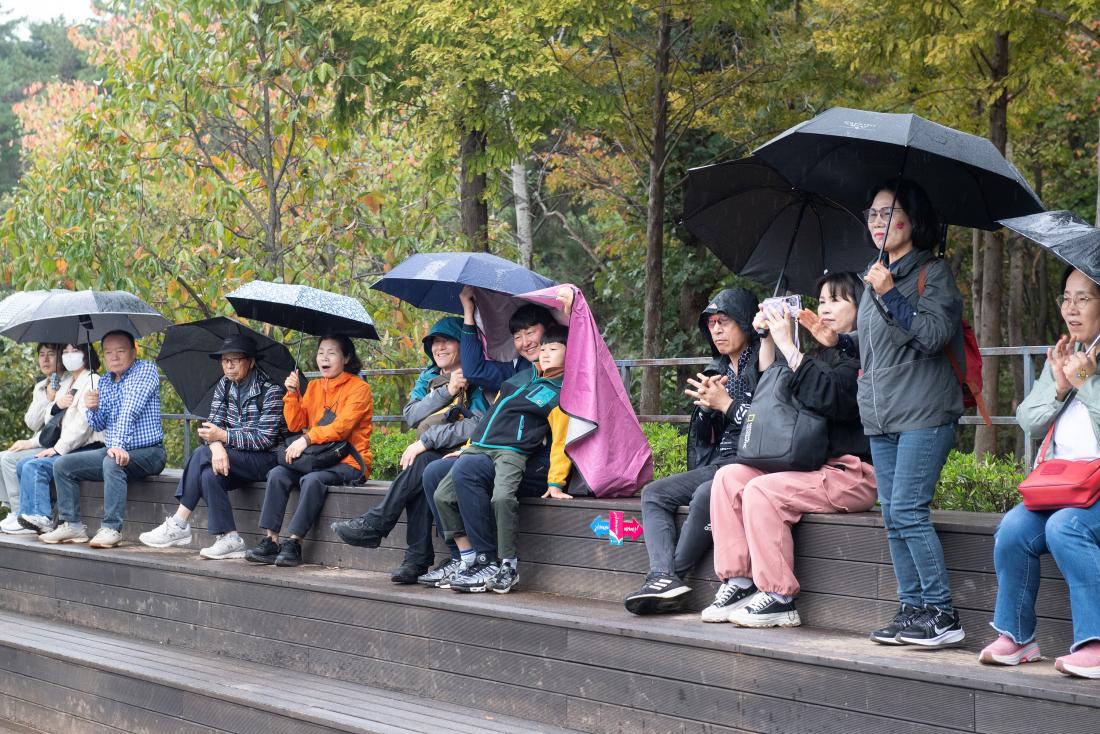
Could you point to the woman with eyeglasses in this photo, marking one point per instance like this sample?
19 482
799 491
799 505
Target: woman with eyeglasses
1067 396
909 402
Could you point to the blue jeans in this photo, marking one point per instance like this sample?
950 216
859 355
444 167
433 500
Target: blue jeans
907 467
1072 536
70 469
35 475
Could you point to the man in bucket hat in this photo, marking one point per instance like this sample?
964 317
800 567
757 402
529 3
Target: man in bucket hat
246 420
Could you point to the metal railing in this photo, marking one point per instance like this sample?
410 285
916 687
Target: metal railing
626 371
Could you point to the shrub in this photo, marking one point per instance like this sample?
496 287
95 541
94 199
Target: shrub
387 443
669 445
967 483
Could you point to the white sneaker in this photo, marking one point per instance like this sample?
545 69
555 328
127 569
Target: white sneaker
106 538
66 532
36 523
11 526
167 535
729 598
225 547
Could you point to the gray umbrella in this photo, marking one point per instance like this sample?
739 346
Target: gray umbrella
302 308
17 302
79 317
1065 235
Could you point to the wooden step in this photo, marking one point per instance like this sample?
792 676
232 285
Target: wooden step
95 681
842 561
580 663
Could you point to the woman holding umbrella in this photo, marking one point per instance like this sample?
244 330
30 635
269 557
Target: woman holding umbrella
909 402
336 408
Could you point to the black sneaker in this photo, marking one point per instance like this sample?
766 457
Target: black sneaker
660 593
933 628
505 579
764 610
408 573
440 576
728 598
359 532
290 553
476 578
888 635
264 552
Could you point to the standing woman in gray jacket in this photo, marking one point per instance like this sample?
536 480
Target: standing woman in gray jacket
909 402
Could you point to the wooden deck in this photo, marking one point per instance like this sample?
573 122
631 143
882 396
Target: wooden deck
210 643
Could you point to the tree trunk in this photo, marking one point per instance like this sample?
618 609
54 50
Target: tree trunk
985 440
475 210
976 279
1098 178
1016 316
655 219
523 213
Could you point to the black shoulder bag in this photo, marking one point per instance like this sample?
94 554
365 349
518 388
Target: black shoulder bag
319 456
778 434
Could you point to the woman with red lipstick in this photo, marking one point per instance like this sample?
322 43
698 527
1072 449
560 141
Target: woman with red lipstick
909 402
336 407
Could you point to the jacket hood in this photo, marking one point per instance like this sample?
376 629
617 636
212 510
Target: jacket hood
737 303
448 326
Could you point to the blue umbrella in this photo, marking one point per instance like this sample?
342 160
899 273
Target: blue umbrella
434 279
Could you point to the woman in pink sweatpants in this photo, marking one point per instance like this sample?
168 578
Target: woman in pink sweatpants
752 511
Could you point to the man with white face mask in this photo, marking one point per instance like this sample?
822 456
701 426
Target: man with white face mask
36 472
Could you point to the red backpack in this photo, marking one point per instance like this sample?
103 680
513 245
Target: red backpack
968 374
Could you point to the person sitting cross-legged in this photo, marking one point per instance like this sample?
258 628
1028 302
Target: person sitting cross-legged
246 420
126 407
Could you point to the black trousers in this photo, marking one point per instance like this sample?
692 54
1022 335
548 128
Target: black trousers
406 494
314 489
200 482
667 553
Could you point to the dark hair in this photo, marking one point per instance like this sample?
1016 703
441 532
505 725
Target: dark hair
917 206
91 359
347 348
529 315
556 334
48 345
119 332
846 285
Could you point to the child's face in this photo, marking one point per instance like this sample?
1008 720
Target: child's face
552 356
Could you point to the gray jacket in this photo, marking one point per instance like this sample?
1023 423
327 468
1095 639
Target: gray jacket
444 435
907 383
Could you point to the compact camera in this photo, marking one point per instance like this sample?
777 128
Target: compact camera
789 305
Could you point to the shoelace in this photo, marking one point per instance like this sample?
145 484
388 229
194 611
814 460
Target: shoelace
725 593
486 573
759 604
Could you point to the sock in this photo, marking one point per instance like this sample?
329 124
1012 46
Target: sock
513 561
181 524
741 582
784 598
468 557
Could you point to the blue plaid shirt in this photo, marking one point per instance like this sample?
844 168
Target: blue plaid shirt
129 408
253 421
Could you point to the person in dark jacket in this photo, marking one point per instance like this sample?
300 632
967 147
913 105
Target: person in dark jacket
443 407
752 511
910 401
527 325
722 394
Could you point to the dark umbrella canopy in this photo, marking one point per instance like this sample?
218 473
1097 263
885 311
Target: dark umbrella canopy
843 152
79 317
434 279
299 307
765 230
1065 235
185 359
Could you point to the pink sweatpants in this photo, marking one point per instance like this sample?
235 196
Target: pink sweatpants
751 514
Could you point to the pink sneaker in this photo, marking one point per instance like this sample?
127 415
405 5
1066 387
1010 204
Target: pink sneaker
1085 663
1003 651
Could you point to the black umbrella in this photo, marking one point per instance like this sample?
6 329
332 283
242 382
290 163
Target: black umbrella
80 317
302 308
842 153
185 359
765 230
1064 235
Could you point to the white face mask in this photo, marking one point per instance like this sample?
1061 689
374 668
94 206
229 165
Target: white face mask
72 360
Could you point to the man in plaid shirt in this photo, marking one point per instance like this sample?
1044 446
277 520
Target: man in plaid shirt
127 408
246 422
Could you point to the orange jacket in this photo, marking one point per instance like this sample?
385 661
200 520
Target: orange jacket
346 395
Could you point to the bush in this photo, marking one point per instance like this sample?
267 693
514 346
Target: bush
967 483
387 443
669 445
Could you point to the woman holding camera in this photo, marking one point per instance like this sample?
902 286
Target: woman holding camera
752 511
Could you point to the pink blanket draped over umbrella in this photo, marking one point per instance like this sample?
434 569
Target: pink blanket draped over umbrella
605 440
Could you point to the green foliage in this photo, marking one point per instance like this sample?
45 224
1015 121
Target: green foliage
669 445
975 485
20 372
386 446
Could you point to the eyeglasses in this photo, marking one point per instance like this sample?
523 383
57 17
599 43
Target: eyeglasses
1078 302
233 360
885 212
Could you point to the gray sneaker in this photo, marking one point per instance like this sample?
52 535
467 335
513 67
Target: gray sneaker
105 538
66 532
440 576
476 578
225 547
38 523
167 535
